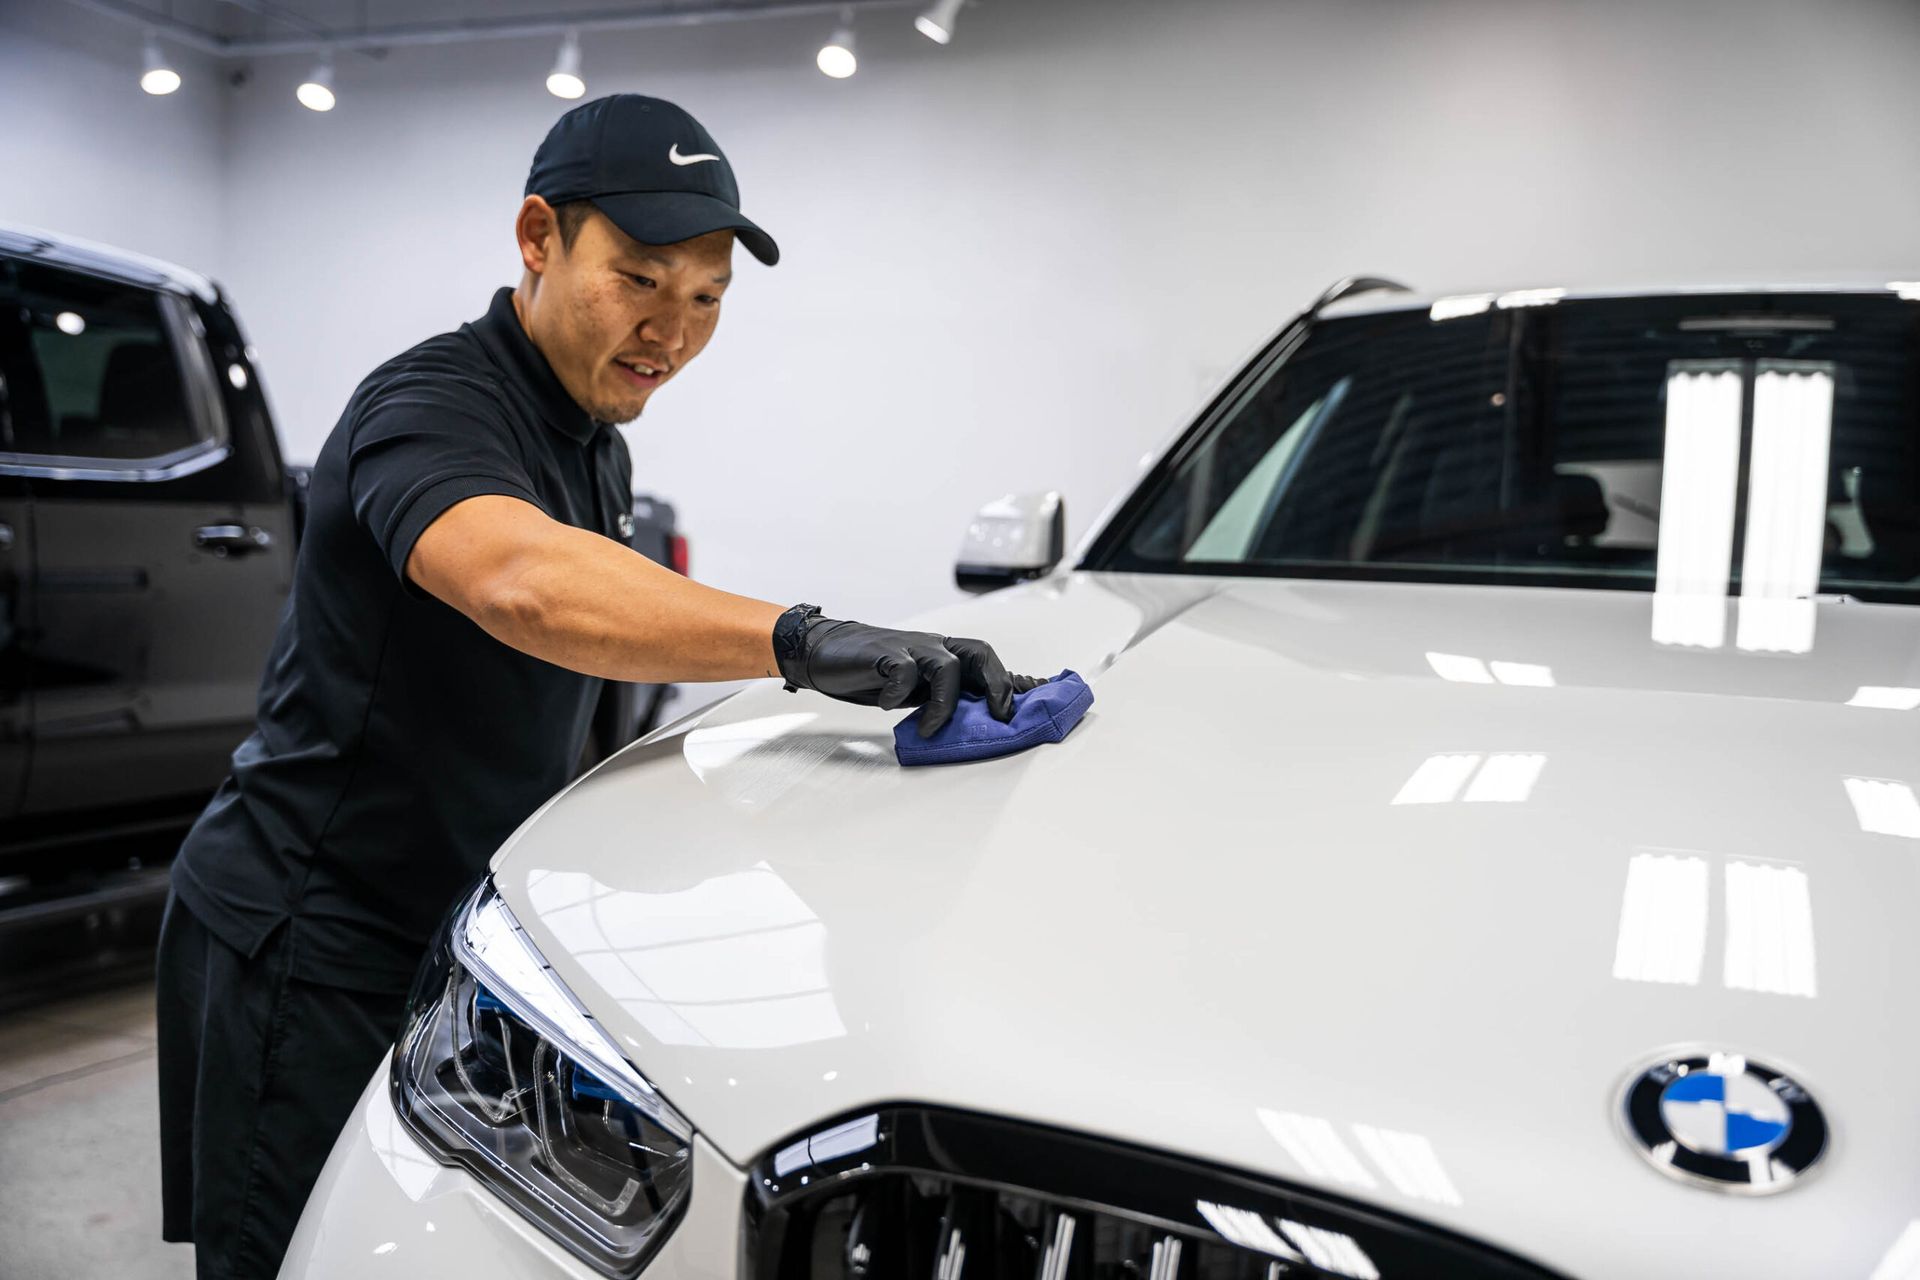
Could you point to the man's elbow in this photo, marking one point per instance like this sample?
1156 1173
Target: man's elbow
508 606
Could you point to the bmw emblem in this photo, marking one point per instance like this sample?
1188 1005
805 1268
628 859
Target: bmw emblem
1724 1121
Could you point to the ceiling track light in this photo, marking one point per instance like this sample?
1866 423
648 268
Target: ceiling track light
936 24
156 77
564 80
316 91
836 57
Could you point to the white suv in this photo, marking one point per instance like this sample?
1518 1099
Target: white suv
1492 853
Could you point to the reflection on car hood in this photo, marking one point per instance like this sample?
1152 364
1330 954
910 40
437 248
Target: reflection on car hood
1382 887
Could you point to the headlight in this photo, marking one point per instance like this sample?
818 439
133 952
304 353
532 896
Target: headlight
500 1070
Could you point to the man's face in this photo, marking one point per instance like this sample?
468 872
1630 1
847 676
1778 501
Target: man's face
616 318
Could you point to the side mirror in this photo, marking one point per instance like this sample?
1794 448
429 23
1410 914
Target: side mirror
1012 539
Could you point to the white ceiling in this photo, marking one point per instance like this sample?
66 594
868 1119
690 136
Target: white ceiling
254 20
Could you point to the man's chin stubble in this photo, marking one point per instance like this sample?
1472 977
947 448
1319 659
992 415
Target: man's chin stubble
615 412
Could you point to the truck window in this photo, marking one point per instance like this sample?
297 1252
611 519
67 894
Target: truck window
94 371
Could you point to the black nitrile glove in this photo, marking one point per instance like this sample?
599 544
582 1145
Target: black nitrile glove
879 667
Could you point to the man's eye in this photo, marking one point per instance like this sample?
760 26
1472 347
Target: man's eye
639 279
709 298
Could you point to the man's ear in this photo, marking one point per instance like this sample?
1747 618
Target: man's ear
537 228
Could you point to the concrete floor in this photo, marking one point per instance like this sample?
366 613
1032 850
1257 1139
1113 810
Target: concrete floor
79 1142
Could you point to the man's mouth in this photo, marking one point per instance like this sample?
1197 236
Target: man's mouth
641 373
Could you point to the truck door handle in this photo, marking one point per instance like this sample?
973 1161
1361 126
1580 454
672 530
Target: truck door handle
231 539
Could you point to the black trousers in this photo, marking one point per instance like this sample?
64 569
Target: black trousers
258 1073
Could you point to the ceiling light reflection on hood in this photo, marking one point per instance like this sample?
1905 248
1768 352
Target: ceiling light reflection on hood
1663 920
1247 1229
1885 808
1470 304
1316 1147
1902 1258
1410 1163
1334 1251
1769 930
1885 697
1506 778
1460 669
1437 780
1529 298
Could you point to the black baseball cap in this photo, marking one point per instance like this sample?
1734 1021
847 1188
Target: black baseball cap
647 165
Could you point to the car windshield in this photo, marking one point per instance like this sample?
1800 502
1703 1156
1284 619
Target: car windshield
1762 445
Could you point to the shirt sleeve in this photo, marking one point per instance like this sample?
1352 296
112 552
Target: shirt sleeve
422 446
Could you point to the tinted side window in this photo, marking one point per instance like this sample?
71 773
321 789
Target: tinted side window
92 369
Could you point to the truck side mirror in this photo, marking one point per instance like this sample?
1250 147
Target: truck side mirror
1012 539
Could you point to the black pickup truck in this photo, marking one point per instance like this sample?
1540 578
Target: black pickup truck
147 535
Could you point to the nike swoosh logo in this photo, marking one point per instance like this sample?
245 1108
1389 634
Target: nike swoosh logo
673 154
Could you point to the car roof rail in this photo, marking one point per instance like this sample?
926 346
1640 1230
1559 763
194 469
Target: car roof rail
1352 286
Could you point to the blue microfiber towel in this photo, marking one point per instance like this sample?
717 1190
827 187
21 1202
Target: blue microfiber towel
1044 713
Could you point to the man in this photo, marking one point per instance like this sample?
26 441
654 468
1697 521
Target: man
462 589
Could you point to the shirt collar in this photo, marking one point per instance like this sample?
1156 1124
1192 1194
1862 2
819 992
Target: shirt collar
500 333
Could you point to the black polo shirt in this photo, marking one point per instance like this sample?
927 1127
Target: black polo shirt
397 744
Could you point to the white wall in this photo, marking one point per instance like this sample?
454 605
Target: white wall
1015 262
84 151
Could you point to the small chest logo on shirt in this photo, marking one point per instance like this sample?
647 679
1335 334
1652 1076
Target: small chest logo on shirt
625 525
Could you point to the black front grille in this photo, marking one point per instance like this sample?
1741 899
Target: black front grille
920 1194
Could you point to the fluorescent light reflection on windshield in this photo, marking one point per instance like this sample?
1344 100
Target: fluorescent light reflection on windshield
1699 475
1786 506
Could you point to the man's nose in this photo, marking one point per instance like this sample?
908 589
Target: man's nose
666 328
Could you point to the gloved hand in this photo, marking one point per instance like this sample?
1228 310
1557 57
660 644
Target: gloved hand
880 667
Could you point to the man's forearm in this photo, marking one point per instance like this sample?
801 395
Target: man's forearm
587 603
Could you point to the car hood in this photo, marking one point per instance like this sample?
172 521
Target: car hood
1385 888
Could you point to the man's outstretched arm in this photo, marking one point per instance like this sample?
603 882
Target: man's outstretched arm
585 602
